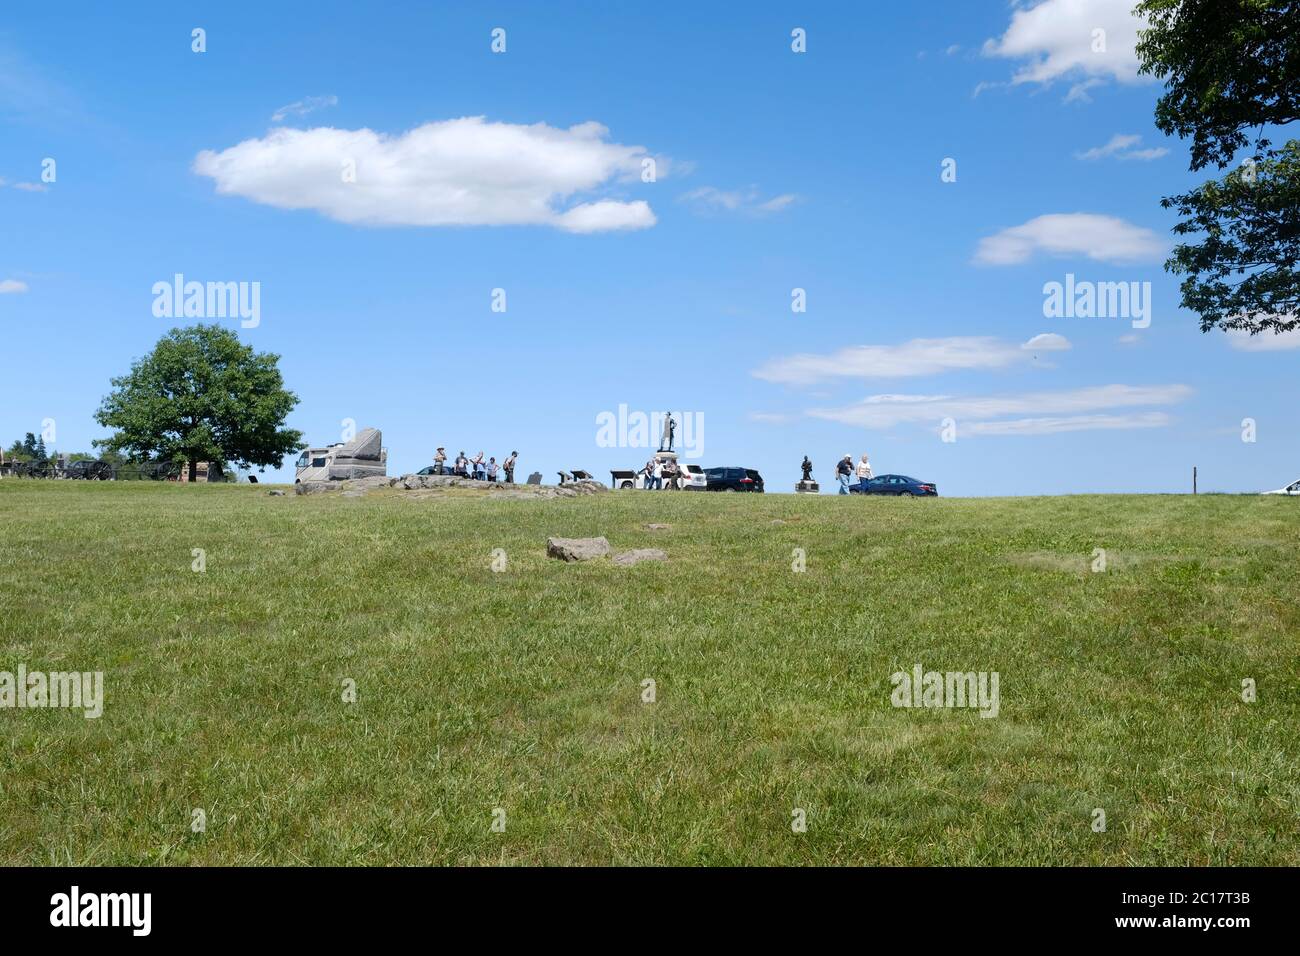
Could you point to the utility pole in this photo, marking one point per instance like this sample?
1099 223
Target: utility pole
1193 479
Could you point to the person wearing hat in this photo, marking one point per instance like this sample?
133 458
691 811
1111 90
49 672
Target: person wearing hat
440 461
842 472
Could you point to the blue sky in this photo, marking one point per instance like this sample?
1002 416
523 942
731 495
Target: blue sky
776 170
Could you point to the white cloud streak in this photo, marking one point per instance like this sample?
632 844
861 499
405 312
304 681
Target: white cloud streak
304 106
1047 411
917 357
1101 238
1120 146
708 199
1243 341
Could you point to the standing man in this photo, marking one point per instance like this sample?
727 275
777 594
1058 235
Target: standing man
864 474
509 466
440 461
842 472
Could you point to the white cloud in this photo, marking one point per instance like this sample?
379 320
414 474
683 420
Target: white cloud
8 286
461 172
1072 423
1060 408
1047 342
712 199
917 357
1056 39
32 187
1103 238
304 106
1243 341
1120 146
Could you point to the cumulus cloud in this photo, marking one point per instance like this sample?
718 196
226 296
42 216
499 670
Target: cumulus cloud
304 106
711 199
1058 39
8 286
917 357
461 172
1070 410
1243 341
1102 238
1120 146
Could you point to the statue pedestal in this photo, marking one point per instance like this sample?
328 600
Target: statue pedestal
664 455
807 488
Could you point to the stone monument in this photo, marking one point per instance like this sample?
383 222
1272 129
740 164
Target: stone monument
806 486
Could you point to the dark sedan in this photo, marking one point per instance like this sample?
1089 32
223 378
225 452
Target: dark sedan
900 485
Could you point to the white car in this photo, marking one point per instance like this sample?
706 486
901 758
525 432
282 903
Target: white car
1291 489
693 478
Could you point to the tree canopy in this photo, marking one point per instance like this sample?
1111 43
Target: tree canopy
201 395
1232 80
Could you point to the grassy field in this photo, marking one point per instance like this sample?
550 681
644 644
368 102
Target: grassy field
522 690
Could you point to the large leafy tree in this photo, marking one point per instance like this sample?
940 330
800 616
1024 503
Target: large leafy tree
201 395
1232 80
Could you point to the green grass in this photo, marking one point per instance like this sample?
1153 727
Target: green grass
522 690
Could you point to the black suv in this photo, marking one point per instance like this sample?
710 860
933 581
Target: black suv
733 479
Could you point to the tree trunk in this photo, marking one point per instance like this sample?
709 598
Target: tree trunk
194 470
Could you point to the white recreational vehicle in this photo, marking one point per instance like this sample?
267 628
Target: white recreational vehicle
362 457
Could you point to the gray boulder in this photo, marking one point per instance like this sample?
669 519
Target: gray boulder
637 555
577 549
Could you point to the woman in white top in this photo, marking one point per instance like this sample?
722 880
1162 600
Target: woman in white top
864 473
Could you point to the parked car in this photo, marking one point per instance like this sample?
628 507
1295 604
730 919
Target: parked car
900 485
692 478
733 479
1291 489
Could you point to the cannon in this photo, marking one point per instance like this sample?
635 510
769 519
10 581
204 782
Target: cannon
90 469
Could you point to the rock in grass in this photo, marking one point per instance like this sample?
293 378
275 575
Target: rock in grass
636 555
276 494
577 549
657 527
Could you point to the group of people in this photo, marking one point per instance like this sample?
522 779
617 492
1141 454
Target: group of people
659 474
476 467
845 470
